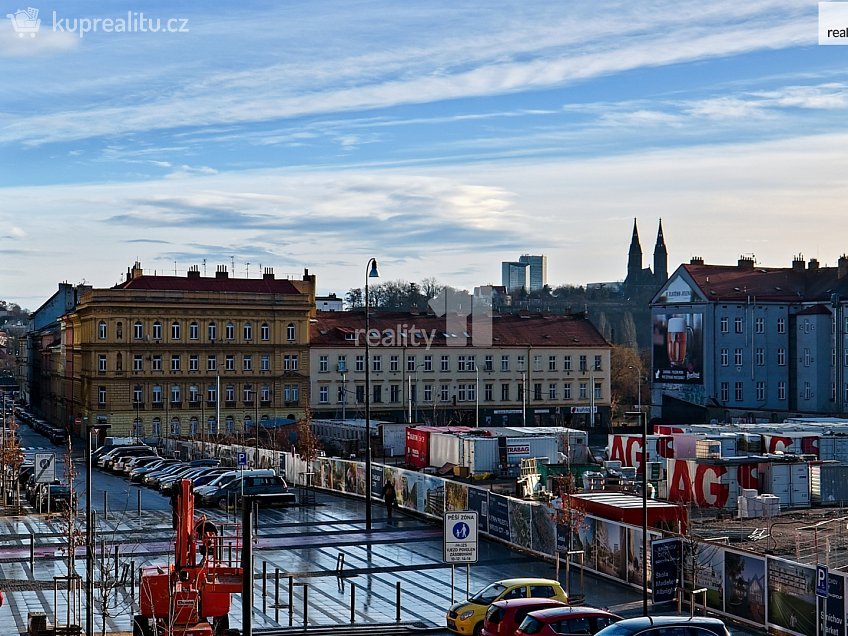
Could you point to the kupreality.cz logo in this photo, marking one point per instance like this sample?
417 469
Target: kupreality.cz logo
26 22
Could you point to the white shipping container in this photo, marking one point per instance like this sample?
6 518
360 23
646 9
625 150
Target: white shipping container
445 448
571 442
829 484
480 454
789 482
518 448
834 447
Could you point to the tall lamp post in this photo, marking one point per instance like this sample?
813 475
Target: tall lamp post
371 271
477 396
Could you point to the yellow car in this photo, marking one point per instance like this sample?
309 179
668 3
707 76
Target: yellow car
466 617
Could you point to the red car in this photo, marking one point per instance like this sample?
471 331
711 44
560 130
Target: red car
559 621
504 617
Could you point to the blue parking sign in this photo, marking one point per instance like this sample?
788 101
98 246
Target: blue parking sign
821 581
242 459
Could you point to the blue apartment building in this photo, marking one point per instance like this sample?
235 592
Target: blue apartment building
750 343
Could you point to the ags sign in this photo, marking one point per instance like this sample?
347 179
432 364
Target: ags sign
708 485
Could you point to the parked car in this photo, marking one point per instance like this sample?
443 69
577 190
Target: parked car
55 497
504 617
556 621
121 463
166 484
266 490
466 617
138 473
123 452
213 494
138 462
35 489
667 626
151 480
206 478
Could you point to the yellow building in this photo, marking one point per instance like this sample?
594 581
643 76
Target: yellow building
187 355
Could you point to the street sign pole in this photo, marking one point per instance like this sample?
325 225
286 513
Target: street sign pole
461 532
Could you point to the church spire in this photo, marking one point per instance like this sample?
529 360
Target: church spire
660 258
634 260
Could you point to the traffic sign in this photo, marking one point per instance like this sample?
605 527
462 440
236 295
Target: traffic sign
242 459
45 468
461 534
821 581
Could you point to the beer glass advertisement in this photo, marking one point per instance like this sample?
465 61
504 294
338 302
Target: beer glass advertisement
678 348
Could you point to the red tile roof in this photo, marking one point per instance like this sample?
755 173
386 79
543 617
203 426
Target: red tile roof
209 284
331 329
777 284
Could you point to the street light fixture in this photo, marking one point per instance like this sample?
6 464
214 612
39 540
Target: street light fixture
371 271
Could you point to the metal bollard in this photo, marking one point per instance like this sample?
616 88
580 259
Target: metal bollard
291 601
264 587
277 595
139 503
397 601
305 604
132 585
32 554
352 603
105 506
116 564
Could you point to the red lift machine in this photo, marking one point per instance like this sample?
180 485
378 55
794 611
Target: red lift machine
190 597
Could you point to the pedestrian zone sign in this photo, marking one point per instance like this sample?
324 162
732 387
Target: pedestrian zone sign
461 531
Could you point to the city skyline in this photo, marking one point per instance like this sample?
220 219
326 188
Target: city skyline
439 140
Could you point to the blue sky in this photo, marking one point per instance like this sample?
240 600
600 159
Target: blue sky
440 138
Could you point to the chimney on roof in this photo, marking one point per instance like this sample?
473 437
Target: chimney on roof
842 270
696 260
798 263
268 274
747 262
194 271
136 270
813 264
221 272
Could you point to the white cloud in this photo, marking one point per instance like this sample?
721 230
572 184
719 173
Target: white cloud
46 43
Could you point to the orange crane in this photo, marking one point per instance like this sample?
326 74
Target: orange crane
180 599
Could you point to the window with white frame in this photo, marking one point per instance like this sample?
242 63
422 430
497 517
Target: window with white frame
737 357
291 332
488 362
723 324
229 331
247 362
101 395
265 362
428 392
520 362
566 391
193 330
504 363
101 363
566 363
488 392
175 330
247 331
323 364
598 388
156 394
807 357
138 330
584 391
552 391
428 363
157 330
156 362
265 393
781 325
175 394
138 395
394 393
193 393
808 391
211 331
760 356
212 394
247 393
761 390
504 392
737 324
175 362
265 332
444 392
101 330
359 363
376 363
445 363
738 391
537 362
781 390
341 393
230 393
230 362
781 357
724 357
194 362
324 394
211 362
724 394
394 363
410 364
760 325
552 360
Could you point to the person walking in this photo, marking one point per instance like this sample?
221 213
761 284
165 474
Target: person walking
390 497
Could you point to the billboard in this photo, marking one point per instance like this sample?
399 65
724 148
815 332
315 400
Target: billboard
678 348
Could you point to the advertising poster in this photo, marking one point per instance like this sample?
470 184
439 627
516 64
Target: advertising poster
478 499
456 496
350 477
792 597
583 538
338 475
834 608
408 492
665 569
499 516
543 531
376 481
634 554
322 473
678 348
745 583
610 548
707 566
433 495
519 523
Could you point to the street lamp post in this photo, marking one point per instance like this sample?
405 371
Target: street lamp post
137 422
371 271
477 396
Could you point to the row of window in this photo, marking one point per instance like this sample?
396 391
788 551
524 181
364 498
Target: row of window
462 392
291 362
807 359
176 428
229 331
464 362
195 393
759 324
806 392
